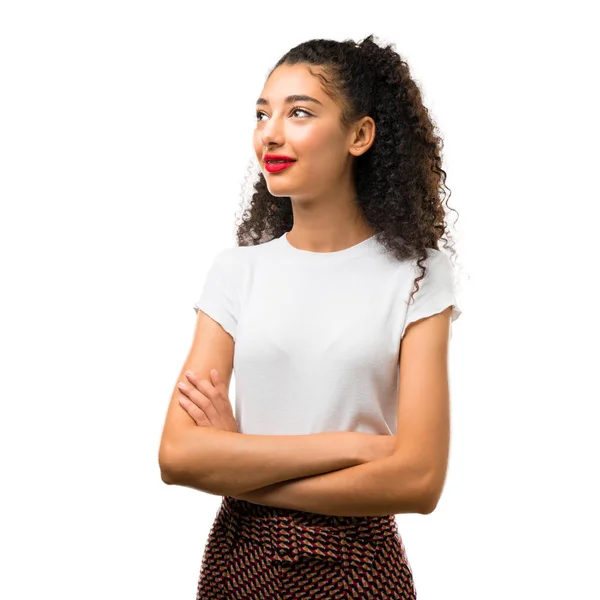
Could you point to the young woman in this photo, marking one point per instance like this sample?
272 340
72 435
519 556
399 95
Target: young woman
334 310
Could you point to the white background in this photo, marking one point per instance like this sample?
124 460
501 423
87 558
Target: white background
125 140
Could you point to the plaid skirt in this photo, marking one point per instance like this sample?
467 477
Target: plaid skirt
257 552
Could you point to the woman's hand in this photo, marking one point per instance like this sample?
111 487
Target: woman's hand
207 402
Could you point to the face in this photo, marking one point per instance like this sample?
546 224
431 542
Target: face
307 131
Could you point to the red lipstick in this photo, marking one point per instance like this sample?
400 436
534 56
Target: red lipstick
282 162
275 167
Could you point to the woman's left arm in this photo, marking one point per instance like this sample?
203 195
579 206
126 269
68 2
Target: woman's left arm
386 486
409 480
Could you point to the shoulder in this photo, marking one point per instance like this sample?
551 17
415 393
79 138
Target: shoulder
438 257
438 263
243 254
237 261
439 278
231 255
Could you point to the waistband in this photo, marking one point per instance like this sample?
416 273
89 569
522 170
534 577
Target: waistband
290 534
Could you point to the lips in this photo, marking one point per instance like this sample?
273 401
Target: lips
268 157
278 166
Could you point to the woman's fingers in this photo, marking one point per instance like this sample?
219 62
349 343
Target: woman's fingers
210 397
198 395
196 413
207 397
228 420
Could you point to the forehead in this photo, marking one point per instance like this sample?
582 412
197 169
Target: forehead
288 80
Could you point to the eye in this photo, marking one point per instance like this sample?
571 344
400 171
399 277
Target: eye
294 110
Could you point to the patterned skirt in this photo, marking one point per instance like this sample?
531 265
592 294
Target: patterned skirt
257 552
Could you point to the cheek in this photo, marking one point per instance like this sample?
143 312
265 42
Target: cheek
312 141
319 146
258 147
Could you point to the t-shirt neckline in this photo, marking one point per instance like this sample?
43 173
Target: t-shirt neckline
355 250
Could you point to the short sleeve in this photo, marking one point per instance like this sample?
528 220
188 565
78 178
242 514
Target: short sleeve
219 298
436 290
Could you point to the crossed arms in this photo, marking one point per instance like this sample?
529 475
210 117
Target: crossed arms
336 473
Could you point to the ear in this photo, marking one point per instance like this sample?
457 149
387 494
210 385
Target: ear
363 136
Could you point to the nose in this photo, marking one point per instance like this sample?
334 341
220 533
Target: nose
271 133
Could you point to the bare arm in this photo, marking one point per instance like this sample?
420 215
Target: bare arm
386 486
228 463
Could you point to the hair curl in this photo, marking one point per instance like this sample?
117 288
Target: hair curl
399 181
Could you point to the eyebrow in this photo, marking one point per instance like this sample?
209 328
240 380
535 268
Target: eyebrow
290 99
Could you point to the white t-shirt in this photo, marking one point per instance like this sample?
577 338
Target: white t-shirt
317 334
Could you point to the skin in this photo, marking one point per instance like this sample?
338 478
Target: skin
326 215
207 401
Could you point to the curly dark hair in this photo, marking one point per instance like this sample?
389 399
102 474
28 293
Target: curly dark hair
399 181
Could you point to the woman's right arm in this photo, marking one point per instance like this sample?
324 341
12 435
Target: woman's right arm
225 463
